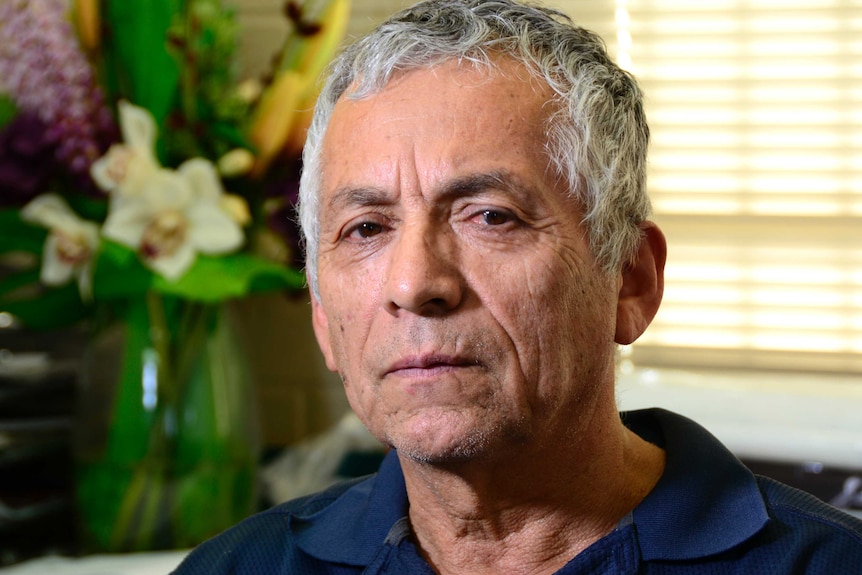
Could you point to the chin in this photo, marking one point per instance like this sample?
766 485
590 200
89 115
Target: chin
443 442
470 449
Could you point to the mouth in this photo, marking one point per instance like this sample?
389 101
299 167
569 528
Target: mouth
423 365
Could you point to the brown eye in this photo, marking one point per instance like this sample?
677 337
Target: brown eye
495 218
368 229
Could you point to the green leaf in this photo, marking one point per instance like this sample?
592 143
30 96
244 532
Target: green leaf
89 208
117 254
18 235
232 135
138 60
8 110
51 308
39 307
119 273
12 282
218 278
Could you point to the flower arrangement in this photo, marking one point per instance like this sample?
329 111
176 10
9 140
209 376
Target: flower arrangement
142 184
133 159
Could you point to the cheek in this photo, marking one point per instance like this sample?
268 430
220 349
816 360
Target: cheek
346 355
340 337
352 305
564 312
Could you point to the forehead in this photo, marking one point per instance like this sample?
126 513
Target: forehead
451 116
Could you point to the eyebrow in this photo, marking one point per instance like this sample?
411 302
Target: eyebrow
503 180
458 187
359 196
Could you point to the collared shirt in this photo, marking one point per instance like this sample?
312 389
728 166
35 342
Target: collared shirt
708 514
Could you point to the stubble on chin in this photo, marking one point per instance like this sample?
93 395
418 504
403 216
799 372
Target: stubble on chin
455 440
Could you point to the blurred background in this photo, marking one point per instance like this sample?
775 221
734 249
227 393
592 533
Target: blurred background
755 108
755 173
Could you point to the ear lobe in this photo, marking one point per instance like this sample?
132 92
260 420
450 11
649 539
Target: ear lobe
642 286
320 323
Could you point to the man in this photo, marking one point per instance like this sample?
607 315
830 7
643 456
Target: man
474 208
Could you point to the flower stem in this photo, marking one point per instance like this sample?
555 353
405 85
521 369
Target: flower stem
146 490
188 74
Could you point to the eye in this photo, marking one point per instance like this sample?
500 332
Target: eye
495 217
366 230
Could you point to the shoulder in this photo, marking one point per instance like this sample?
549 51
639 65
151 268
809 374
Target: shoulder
807 533
808 514
262 543
729 520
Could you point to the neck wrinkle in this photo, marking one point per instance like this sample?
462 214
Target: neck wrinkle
536 510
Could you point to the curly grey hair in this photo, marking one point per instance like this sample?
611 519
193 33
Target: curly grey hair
596 140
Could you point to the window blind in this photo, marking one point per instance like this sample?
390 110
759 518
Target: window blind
755 108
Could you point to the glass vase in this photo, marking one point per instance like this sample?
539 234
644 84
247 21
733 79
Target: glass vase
168 443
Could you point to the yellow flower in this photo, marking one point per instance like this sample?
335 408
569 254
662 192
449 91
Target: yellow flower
237 162
276 117
237 208
286 107
88 23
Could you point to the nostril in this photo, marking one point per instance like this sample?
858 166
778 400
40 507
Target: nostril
437 306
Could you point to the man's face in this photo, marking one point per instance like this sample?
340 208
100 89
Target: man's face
458 297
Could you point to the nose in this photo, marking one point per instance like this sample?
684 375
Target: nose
424 276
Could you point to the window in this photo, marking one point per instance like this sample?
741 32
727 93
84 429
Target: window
755 173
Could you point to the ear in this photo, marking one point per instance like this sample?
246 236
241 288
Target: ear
320 323
642 285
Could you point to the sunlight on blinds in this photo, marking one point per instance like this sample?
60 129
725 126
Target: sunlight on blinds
756 177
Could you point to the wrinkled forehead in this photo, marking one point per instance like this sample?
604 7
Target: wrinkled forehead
454 109
454 84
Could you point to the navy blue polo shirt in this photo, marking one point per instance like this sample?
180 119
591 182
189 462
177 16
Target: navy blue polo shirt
708 514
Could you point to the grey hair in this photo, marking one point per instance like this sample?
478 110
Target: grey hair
597 137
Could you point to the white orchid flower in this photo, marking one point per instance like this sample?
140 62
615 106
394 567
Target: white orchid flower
125 168
70 246
176 215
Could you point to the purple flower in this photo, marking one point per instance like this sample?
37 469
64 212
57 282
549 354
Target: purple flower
43 69
26 159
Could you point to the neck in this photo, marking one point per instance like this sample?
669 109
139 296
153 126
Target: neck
535 508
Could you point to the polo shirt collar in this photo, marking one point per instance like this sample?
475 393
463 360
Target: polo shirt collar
687 515
355 526
706 501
